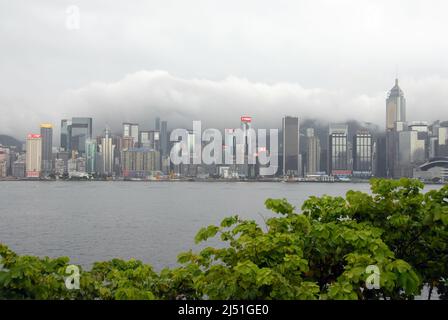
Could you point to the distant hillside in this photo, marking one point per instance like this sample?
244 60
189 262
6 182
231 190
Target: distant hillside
10 141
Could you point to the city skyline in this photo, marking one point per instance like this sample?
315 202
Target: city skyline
211 61
343 151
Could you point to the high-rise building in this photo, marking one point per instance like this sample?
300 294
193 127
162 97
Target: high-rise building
363 154
395 107
150 139
33 155
46 131
380 155
395 122
290 127
140 162
131 130
313 152
338 150
4 161
411 153
164 138
157 124
91 150
66 126
107 152
80 131
144 139
442 148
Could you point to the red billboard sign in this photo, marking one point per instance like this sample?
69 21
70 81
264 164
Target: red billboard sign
34 136
246 119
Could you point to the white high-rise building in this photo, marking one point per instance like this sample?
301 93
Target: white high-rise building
33 155
313 152
107 151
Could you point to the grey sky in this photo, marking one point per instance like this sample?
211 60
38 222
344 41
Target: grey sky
215 60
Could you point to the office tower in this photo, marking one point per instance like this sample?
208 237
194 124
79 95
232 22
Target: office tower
150 139
246 124
189 169
66 126
422 127
91 150
4 161
80 131
395 113
139 162
247 151
381 153
46 131
363 154
229 145
164 138
395 107
154 140
338 150
411 153
107 152
157 124
144 139
290 127
442 137
313 152
33 155
432 147
131 130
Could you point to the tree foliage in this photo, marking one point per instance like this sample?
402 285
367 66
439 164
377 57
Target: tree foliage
322 252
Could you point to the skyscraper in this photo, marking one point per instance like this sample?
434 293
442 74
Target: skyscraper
395 107
164 138
338 153
411 152
46 131
131 130
79 131
145 139
33 155
139 162
363 154
157 124
313 152
66 126
395 122
290 126
107 152
91 150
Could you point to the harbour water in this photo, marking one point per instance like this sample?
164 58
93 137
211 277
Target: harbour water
149 221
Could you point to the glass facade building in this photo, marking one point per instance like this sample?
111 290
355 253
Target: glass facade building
338 159
75 133
363 154
46 131
290 127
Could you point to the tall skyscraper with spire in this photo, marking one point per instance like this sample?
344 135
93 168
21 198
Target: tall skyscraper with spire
395 107
395 122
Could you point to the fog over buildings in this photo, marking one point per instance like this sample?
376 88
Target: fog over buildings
216 60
